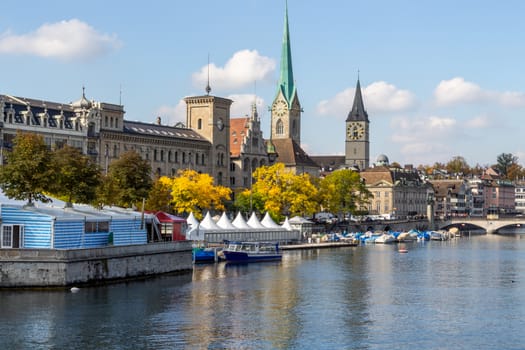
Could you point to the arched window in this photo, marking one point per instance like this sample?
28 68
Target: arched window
294 127
199 123
279 127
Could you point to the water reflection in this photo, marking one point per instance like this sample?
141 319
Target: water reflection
465 293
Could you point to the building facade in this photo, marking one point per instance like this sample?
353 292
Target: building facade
248 150
396 192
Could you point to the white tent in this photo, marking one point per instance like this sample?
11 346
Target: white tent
225 223
254 222
267 221
286 225
208 224
239 221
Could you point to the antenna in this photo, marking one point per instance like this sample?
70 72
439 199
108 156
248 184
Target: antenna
208 87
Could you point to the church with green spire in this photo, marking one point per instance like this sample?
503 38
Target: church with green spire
286 115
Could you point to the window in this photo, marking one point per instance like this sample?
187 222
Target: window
96 226
279 127
12 236
199 123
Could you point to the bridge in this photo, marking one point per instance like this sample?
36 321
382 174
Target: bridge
490 225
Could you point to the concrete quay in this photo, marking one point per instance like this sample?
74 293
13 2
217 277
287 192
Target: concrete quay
48 268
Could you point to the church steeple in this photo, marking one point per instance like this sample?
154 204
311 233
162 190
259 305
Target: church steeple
286 82
358 112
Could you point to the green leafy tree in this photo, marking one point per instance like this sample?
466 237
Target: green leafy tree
77 177
28 173
342 192
132 179
504 162
159 197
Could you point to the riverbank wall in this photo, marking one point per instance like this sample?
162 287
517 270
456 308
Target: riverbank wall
44 268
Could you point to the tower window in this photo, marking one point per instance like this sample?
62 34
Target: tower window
279 127
199 123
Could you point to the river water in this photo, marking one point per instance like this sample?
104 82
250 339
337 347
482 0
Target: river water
467 293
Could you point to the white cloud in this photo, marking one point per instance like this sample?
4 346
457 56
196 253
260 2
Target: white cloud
378 97
65 40
243 69
171 115
242 105
457 91
383 97
479 122
420 137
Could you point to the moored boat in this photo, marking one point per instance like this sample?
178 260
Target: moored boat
244 252
204 255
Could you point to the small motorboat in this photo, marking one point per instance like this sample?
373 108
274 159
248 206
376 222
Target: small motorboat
245 252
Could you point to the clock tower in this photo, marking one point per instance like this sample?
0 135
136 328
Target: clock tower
286 108
357 150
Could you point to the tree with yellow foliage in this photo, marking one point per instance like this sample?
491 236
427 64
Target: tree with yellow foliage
194 192
284 193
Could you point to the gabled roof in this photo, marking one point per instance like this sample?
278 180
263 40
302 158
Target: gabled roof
291 154
238 130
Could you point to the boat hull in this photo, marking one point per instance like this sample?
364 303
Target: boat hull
243 257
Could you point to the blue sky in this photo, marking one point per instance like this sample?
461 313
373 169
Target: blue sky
439 78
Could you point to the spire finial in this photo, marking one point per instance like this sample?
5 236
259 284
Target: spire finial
208 87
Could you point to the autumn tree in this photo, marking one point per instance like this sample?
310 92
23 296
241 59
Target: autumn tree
458 166
342 191
77 177
194 192
284 193
131 177
28 173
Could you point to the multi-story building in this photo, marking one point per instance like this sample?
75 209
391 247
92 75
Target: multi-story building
248 150
396 192
450 197
499 195
520 196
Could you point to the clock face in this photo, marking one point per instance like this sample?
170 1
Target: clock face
280 108
355 131
220 124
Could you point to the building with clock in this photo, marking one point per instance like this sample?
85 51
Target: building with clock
286 116
357 143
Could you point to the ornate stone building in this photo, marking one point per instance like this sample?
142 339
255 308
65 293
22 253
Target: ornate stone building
396 192
100 131
248 150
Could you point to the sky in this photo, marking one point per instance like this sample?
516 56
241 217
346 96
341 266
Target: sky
440 79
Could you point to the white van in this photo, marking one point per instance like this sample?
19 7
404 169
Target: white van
325 218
